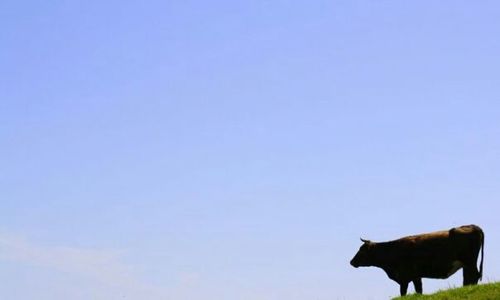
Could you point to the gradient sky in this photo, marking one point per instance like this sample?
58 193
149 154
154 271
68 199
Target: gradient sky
231 150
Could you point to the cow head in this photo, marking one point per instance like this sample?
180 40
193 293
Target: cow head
364 257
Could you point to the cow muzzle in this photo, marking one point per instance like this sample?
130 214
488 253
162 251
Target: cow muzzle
354 264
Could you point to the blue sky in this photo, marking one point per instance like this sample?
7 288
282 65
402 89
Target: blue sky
232 150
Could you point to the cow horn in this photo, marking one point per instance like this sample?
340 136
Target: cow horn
364 241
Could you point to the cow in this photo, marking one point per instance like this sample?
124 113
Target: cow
431 255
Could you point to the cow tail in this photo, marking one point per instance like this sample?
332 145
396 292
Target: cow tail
482 256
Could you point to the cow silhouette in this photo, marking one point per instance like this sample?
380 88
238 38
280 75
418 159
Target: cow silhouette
431 255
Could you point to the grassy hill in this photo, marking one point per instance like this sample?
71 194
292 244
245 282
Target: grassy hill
489 291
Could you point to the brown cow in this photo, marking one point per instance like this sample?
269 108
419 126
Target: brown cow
431 255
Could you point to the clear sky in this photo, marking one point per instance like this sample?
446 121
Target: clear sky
237 150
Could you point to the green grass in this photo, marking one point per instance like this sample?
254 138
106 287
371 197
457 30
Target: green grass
489 291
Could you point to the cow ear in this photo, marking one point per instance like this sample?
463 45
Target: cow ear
365 241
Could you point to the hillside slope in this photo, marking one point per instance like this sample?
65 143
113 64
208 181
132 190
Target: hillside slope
489 291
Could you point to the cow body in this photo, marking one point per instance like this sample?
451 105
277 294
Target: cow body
432 255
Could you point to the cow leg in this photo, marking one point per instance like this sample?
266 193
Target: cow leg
417 283
471 274
403 288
